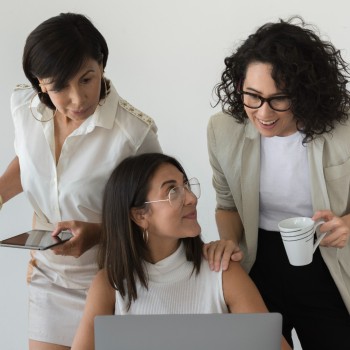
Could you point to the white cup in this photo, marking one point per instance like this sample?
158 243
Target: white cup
298 239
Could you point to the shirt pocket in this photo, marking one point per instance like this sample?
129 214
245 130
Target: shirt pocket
338 186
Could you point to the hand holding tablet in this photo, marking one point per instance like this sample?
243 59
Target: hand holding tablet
36 239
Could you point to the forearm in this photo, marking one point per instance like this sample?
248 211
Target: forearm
10 181
229 225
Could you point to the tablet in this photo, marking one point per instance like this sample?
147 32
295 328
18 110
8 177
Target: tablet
36 239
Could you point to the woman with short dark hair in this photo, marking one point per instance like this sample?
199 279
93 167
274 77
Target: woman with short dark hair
71 130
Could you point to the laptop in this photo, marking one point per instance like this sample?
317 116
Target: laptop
261 331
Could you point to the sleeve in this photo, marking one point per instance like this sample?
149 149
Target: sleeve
224 198
150 143
139 128
19 102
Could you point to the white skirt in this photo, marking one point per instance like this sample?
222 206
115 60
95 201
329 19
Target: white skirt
54 311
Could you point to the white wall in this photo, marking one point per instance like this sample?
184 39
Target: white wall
165 58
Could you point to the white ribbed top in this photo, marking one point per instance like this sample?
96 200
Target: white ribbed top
174 289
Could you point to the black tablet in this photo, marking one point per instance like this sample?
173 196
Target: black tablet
36 239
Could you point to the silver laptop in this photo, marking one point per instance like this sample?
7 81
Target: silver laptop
189 332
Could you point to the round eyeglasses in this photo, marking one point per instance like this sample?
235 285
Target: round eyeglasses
176 196
277 103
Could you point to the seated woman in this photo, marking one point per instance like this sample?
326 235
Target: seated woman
151 251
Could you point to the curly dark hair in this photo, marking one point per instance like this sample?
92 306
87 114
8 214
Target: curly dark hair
311 71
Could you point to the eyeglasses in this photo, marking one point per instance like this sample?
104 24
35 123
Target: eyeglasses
176 196
277 103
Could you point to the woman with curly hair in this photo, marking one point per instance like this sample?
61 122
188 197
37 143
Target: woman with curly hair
281 148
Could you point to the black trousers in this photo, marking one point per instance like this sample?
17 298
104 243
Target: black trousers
306 296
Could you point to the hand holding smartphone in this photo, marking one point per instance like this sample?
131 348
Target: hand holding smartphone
36 240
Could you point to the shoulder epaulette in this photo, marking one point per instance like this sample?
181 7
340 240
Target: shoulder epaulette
22 86
134 111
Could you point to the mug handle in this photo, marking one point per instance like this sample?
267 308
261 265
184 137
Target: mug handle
319 239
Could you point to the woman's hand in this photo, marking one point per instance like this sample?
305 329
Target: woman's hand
85 236
219 253
337 227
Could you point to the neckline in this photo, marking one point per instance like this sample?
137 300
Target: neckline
168 269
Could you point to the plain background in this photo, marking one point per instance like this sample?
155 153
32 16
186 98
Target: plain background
165 58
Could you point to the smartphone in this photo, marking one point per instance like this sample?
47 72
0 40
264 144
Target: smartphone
36 240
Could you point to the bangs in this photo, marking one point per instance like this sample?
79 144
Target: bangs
61 67
60 63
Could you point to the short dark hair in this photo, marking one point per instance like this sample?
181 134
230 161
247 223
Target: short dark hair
311 71
58 48
122 249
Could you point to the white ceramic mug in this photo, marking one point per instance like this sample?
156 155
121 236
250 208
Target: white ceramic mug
298 239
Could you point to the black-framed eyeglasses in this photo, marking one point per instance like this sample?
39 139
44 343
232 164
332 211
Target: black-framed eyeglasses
176 196
278 103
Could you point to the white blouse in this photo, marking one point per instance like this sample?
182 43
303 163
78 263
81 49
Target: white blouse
73 189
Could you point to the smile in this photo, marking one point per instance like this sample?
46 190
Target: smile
267 122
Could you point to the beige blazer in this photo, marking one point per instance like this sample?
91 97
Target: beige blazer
234 153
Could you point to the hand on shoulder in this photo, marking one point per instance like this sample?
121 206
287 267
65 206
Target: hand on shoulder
219 253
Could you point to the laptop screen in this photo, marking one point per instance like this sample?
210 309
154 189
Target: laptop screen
261 331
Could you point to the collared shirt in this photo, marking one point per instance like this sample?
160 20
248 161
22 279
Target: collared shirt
73 189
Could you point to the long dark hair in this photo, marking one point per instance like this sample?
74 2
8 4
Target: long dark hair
123 250
306 68
58 48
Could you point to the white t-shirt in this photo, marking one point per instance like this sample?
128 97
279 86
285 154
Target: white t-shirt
73 189
284 180
174 288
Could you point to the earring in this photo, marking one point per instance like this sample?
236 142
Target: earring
31 110
105 85
145 236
